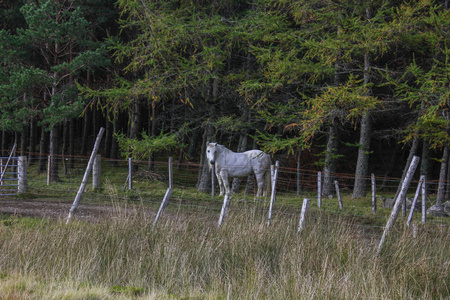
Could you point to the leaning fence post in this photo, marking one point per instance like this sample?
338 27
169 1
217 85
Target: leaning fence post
74 207
390 223
305 207
22 175
224 211
338 193
166 198
274 190
96 173
416 196
319 189
424 200
374 197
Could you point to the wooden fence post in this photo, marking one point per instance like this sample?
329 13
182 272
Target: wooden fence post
22 175
319 189
97 173
49 169
338 193
224 211
374 196
166 198
405 184
130 174
416 196
274 190
424 200
305 207
76 202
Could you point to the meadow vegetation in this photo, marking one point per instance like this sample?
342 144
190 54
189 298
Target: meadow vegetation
187 257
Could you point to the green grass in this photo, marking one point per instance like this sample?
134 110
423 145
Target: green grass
187 257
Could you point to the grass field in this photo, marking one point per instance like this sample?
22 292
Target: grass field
187 257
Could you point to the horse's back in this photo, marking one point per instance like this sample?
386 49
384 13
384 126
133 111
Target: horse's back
258 159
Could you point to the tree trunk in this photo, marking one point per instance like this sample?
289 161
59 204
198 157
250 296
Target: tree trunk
193 144
32 141
329 168
114 146
24 140
390 168
43 150
54 149
152 131
204 178
362 165
108 137
412 153
86 132
71 151
442 178
65 144
4 142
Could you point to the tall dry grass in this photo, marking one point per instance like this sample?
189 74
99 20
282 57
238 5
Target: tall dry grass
186 256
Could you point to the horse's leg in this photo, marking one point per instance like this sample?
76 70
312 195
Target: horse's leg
226 183
260 183
220 181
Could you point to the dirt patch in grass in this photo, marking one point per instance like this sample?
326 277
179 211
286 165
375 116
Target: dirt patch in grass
54 210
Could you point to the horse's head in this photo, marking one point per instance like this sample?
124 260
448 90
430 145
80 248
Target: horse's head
211 149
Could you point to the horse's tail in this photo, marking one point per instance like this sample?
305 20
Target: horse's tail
268 178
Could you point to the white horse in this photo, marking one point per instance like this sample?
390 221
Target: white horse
229 164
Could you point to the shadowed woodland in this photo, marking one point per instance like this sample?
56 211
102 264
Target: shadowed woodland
340 86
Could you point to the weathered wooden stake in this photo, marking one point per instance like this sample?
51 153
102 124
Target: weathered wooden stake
166 198
224 211
130 174
390 223
96 173
374 196
416 196
49 169
274 190
76 202
22 175
319 189
305 207
338 193
424 200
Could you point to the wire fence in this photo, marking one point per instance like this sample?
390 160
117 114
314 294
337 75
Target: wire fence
150 180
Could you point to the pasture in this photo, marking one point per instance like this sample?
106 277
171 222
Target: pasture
123 256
